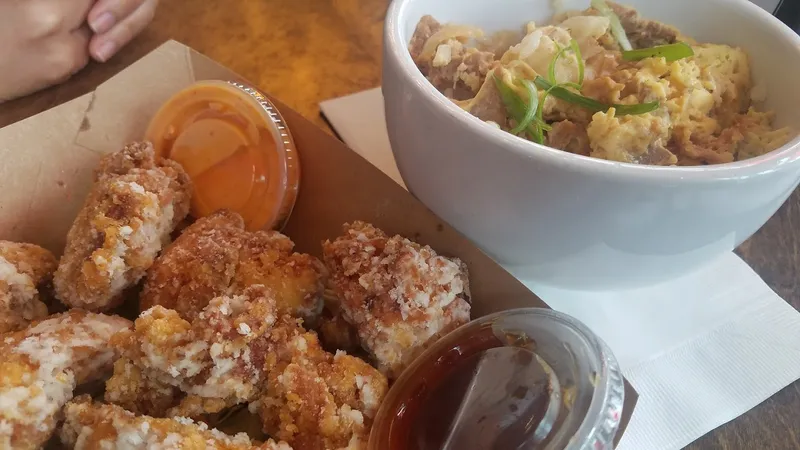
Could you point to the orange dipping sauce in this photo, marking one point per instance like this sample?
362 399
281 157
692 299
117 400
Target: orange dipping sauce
236 148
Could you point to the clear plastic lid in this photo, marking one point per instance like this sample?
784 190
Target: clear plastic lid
420 408
235 146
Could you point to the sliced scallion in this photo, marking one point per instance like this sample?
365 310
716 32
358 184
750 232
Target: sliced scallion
565 94
519 111
670 52
551 69
530 108
575 49
616 27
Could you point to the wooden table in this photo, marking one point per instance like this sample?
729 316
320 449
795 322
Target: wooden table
305 51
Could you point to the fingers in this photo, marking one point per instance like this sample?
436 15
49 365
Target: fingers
107 13
104 45
41 18
56 63
71 57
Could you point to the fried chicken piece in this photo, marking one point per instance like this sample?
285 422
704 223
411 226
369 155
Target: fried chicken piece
172 367
131 387
24 270
316 400
95 426
217 256
41 365
400 296
243 349
198 266
133 206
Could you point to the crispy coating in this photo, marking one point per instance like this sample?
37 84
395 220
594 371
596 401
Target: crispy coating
41 365
243 349
95 426
133 206
172 367
399 295
133 388
198 266
24 270
217 256
316 400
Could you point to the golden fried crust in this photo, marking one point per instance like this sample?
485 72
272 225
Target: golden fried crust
216 255
132 207
316 400
399 295
41 365
94 426
138 393
198 266
141 155
245 349
32 260
24 270
296 279
199 367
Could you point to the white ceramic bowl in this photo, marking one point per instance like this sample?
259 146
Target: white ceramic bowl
571 221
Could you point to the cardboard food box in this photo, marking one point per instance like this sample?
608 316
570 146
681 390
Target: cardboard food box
48 161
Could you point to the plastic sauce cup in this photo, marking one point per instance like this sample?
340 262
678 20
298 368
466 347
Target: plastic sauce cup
236 148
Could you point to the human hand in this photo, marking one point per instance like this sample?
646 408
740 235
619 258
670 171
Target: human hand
44 43
115 23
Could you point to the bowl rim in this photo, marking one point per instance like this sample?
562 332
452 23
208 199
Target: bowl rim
788 155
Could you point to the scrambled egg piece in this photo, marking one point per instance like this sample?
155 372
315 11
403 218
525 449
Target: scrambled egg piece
705 116
635 139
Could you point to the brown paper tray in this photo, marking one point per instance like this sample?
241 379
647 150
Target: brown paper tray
48 160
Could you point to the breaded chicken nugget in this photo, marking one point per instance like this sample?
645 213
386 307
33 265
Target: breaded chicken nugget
399 295
41 365
316 400
198 266
243 349
24 269
217 256
95 426
136 201
173 367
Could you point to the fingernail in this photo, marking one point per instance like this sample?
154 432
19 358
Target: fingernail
102 23
106 51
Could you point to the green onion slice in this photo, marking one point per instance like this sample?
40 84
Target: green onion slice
670 52
530 108
515 106
536 134
521 112
616 26
565 94
551 69
575 49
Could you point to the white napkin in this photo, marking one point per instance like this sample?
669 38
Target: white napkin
701 350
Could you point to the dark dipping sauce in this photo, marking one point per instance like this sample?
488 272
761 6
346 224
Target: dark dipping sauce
428 401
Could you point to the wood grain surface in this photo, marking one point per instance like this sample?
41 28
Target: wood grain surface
305 51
